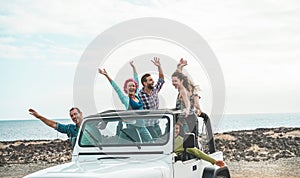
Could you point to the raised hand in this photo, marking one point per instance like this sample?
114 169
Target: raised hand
34 113
48 122
181 64
131 64
102 71
156 61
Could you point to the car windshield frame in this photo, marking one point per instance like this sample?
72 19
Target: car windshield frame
104 132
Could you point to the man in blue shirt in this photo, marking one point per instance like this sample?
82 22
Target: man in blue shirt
70 129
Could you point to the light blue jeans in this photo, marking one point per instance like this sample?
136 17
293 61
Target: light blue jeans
144 132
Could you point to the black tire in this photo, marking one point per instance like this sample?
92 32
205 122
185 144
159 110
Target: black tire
223 173
212 172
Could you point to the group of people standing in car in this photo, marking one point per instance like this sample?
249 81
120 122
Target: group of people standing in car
146 98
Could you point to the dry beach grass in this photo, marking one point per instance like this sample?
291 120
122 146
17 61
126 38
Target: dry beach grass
260 153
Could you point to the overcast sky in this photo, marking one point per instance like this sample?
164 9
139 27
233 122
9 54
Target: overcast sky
256 43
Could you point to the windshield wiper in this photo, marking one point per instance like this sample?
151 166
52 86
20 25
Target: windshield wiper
131 139
95 140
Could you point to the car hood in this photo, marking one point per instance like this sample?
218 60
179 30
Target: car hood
106 169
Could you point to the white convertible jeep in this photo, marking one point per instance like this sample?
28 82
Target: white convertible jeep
112 144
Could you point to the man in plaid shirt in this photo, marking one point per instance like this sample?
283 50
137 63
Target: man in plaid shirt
149 96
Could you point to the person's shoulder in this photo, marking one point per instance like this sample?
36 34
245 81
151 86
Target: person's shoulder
142 91
65 125
72 125
179 138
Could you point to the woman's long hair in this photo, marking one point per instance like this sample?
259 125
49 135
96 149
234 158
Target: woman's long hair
187 83
184 78
193 88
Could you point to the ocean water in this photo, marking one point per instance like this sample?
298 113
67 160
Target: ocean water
11 130
253 121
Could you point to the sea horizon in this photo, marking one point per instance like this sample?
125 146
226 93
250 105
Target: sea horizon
62 118
34 129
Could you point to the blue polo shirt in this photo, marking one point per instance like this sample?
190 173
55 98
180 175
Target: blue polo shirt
70 129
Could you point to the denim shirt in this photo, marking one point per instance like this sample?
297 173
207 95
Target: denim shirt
70 129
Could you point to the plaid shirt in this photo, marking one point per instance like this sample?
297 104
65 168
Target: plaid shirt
151 101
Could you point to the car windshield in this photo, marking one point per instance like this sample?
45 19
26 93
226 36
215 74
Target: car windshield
125 131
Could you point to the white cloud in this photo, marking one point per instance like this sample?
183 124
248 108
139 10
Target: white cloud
76 18
256 42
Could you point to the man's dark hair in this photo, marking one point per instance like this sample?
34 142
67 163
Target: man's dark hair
78 110
144 78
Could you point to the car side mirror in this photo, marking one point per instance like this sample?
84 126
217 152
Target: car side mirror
189 140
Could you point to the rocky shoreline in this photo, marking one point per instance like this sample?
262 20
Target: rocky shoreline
35 151
259 145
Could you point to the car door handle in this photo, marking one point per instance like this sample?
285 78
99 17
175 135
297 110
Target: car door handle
194 167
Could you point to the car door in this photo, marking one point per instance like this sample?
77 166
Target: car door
189 168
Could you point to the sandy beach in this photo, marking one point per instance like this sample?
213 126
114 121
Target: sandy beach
260 153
